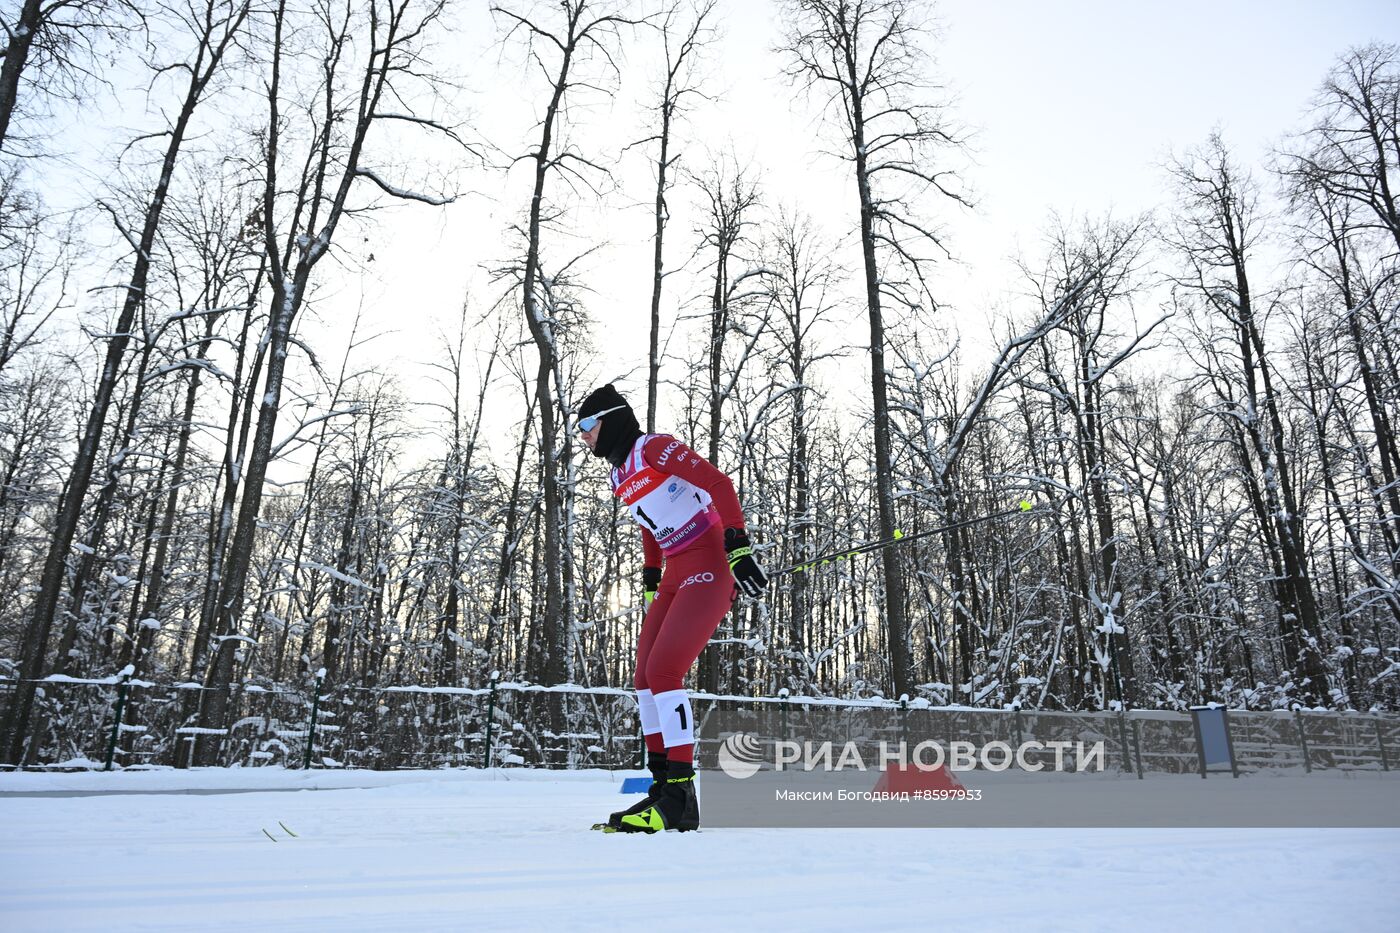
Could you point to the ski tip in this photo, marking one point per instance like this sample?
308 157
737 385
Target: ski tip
898 534
269 835
1026 505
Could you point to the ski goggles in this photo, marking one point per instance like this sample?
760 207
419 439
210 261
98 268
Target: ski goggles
590 422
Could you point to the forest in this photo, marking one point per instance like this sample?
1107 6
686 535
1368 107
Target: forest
198 485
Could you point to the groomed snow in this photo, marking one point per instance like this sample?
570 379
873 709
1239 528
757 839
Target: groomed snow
510 849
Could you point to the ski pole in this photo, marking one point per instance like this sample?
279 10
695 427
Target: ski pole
1025 507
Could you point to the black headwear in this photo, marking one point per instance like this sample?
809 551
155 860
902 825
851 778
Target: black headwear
618 430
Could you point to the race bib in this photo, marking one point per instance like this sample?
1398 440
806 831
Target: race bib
674 510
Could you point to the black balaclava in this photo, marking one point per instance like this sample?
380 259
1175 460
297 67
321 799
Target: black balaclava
617 431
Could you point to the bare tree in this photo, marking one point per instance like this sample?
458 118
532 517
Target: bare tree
1342 191
863 58
804 277
37 254
214 27
366 63
31 463
584 37
1352 153
453 484
683 44
1342 331
55 40
224 277
736 306
1090 274
1217 231
731 199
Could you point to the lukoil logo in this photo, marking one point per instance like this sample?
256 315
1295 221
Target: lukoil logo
740 755
666 454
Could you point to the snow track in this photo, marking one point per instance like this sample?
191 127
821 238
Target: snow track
512 850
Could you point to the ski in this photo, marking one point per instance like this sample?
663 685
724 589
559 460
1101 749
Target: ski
285 829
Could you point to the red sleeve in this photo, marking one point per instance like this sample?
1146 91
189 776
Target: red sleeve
651 551
668 455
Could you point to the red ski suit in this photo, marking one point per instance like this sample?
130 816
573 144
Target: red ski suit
696 588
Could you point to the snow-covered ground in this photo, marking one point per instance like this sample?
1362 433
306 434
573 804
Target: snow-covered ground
511 849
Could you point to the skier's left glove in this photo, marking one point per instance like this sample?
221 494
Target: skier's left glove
747 571
651 581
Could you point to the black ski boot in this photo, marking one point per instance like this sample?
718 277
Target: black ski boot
656 764
677 808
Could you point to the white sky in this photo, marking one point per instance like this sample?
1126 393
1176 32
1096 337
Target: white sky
1075 105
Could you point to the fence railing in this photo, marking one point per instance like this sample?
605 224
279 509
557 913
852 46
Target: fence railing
124 723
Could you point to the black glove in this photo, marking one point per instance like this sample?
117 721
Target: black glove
747 572
651 580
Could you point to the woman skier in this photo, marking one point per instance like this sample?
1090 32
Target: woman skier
691 520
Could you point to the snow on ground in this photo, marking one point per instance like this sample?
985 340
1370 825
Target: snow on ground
510 849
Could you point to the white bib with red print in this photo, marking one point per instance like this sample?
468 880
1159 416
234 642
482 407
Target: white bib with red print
674 510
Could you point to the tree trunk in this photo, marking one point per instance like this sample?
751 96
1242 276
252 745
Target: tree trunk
21 38
893 602
657 268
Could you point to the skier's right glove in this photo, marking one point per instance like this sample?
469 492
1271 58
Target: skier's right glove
747 572
651 581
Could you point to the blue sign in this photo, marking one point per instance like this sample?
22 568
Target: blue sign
1213 746
636 785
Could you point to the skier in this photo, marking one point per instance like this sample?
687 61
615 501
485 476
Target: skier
691 520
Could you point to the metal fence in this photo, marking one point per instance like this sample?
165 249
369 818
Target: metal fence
130 723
